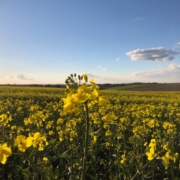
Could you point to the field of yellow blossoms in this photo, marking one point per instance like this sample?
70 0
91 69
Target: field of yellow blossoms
84 133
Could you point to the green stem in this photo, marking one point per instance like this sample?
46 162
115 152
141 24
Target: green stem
138 172
86 142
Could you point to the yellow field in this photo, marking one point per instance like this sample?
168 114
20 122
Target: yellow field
131 135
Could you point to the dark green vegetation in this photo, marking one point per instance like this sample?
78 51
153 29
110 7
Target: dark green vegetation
129 86
146 87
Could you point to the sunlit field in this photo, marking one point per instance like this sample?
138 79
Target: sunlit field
82 132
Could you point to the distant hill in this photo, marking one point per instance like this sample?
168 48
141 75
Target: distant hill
137 86
124 86
159 87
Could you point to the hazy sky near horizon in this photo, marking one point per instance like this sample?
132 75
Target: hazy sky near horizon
113 41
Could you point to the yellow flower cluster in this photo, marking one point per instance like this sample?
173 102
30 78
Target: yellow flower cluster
126 129
123 159
152 147
22 143
5 152
37 140
84 93
169 156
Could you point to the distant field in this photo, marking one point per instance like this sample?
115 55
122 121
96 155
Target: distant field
148 87
130 86
158 87
123 124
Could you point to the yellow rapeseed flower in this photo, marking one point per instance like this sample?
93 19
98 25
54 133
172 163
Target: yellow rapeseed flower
151 154
45 159
68 104
103 102
37 137
22 142
123 159
109 117
38 140
5 151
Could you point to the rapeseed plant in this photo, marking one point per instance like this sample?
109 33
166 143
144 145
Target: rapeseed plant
5 152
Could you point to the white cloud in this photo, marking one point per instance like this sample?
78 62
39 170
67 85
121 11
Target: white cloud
178 43
101 68
92 75
22 77
117 59
101 79
171 71
152 54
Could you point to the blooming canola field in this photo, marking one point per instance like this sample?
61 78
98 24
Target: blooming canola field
82 132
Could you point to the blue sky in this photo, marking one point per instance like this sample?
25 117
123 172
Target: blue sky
113 41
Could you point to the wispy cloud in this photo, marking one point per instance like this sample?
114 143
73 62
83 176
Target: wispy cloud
178 43
101 68
92 75
117 59
101 79
7 77
172 70
152 54
22 77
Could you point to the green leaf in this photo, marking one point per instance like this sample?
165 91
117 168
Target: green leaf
56 174
52 141
91 177
47 177
26 174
